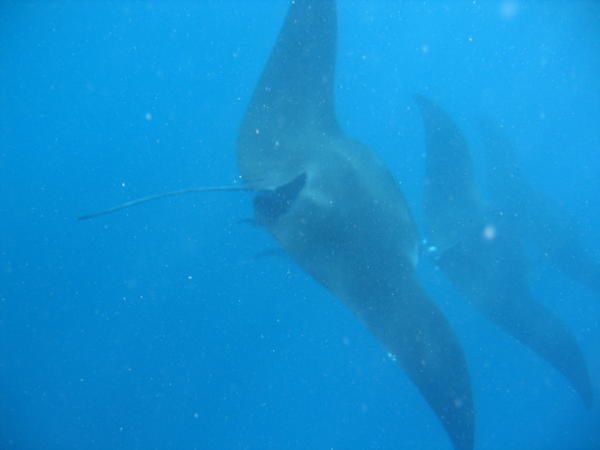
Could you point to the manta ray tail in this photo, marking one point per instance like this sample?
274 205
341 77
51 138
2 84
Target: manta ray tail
150 198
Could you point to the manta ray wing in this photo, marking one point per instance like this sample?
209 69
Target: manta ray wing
294 94
413 329
544 222
492 276
449 202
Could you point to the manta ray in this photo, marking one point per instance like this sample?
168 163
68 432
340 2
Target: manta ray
546 224
335 208
481 252
338 212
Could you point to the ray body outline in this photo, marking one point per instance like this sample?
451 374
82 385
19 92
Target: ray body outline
482 253
348 226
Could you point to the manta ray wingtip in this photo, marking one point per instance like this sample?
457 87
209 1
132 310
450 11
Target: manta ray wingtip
421 100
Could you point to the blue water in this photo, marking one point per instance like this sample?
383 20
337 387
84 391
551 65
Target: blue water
160 328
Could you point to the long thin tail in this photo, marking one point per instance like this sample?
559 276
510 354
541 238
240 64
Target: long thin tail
149 198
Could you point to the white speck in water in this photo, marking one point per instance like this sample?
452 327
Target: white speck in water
392 357
489 232
189 277
148 116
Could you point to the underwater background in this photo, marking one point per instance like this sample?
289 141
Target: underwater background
174 325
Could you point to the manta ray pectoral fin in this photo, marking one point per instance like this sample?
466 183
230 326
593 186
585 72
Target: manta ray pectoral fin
542 331
493 281
545 222
446 144
293 98
414 330
451 201
501 158
581 266
539 329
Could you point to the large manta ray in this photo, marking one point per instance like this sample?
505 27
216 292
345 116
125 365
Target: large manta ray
333 206
480 252
547 224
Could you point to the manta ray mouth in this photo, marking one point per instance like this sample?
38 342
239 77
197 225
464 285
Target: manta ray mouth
271 204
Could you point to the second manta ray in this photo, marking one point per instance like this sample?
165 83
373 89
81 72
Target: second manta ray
481 252
339 213
546 223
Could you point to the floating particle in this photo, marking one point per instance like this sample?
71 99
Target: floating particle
489 232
